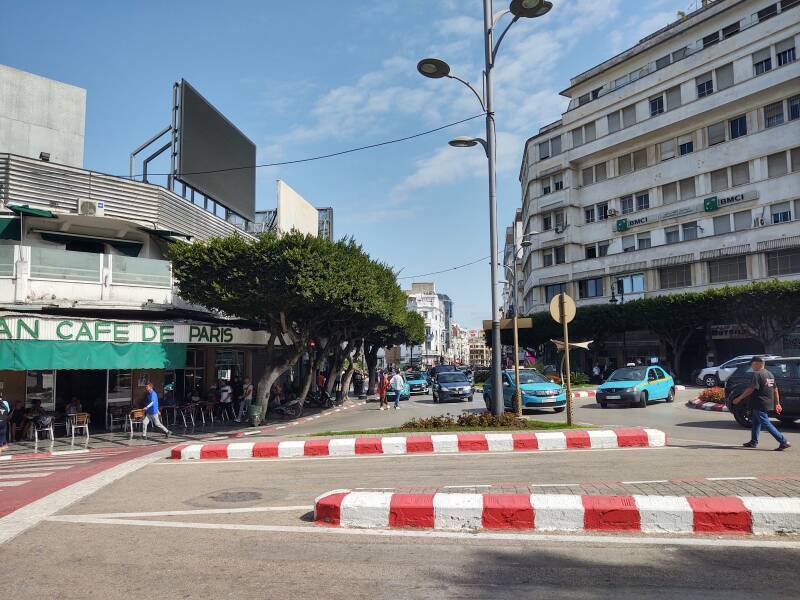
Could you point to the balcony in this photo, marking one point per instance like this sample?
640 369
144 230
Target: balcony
41 275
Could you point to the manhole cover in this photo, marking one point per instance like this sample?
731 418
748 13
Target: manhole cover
240 496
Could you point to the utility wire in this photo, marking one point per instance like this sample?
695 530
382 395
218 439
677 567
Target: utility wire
446 270
322 156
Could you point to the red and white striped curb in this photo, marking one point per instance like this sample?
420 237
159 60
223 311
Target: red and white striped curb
699 404
557 512
436 444
583 393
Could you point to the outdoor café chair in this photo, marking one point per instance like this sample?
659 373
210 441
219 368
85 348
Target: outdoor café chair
136 417
79 421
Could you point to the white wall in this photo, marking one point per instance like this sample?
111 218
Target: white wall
295 212
41 115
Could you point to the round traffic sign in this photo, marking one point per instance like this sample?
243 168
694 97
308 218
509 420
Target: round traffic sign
568 306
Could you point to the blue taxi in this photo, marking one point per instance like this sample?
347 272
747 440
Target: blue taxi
535 389
636 386
417 382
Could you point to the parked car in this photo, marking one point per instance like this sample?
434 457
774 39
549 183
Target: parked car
536 390
636 386
405 394
452 385
433 372
714 376
417 382
787 380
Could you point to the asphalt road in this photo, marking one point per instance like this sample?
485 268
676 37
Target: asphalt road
243 527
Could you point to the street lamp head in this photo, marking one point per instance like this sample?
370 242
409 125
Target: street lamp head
530 8
526 243
464 141
433 68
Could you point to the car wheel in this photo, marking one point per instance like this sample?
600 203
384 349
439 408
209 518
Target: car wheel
742 416
558 409
642 400
604 405
671 395
710 381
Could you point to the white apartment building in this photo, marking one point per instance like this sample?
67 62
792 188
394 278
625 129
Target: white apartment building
436 310
459 345
480 355
512 263
676 166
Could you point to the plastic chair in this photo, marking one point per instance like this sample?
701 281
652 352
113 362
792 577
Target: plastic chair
79 421
37 429
186 411
115 415
136 417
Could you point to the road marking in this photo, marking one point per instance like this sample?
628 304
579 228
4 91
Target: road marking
645 481
731 478
475 537
279 427
26 473
257 431
32 514
13 483
38 468
199 511
66 452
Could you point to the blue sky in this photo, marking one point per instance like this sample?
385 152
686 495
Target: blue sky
302 78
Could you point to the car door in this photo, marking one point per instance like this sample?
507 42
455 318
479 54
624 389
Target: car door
653 388
790 390
726 369
785 373
662 382
508 389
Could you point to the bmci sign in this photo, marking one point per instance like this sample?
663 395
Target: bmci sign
714 202
625 224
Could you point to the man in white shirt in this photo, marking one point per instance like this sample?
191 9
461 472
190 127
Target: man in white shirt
397 384
247 399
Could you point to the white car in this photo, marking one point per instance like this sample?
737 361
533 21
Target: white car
714 376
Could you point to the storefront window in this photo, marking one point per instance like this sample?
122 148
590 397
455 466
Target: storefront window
119 386
194 373
230 364
41 385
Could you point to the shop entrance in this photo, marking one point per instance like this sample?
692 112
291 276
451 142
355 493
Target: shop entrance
88 386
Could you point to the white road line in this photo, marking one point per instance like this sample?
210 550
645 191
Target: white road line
14 483
36 468
49 464
472 537
281 427
32 514
731 478
256 432
66 452
645 481
412 455
26 473
200 511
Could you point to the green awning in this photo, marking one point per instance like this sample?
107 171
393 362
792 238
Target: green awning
166 234
10 229
33 355
25 210
127 247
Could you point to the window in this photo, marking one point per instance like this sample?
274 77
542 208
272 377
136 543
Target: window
640 159
719 180
762 61
119 382
672 235
776 164
560 255
656 105
673 97
629 115
687 188
555 146
794 108
590 251
662 62
589 215
577 137
602 211
550 291
781 212
626 204
602 248
795 154
784 52
773 114
559 219
705 85
547 258
727 269
583 99
716 133
689 231
587 176
766 13
628 243
643 241
41 385
667 149
642 201
679 54
613 122
631 284
675 277
624 164
686 144
544 150
589 132
783 262
787 4
722 224
669 193
547 222
600 172
711 39
546 186
738 126
730 31
724 76
590 288
740 174
558 181
742 220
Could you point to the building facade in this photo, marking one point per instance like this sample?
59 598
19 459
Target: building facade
325 222
480 355
676 166
436 309
512 265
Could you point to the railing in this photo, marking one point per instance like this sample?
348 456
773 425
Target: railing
6 261
141 271
65 265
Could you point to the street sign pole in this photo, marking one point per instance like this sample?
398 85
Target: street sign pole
517 392
563 318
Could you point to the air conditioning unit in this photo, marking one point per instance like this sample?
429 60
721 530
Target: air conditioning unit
759 222
612 212
91 208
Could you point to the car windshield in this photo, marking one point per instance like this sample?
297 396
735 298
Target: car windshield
627 375
452 378
414 375
530 377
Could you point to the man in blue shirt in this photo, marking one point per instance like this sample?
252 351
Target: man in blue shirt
151 412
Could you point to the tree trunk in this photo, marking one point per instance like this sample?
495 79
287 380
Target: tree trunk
274 369
335 369
309 378
371 358
348 375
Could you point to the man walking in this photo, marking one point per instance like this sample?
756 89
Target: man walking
763 397
397 383
151 412
247 399
383 384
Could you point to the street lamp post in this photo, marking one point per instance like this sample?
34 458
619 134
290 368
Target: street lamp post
620 289
436 69
514 267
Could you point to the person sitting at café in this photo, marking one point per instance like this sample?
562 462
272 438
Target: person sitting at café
74 407
18 422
